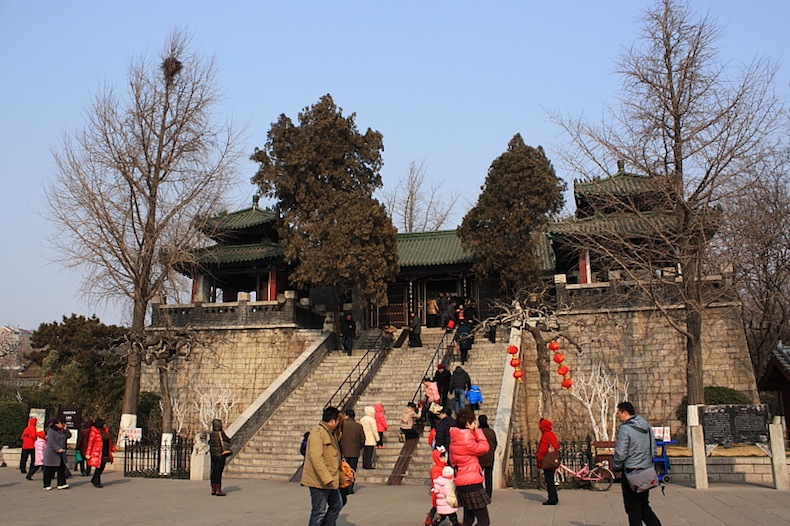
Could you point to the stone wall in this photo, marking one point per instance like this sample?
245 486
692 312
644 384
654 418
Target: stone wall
239 361
639 345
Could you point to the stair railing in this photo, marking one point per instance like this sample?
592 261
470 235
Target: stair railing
360 376
443 350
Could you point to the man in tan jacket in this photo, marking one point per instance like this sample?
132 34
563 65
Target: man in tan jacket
322 470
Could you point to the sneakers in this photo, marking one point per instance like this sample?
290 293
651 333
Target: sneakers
64 486
47 488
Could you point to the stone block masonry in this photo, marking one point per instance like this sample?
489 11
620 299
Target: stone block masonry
232 363
636 343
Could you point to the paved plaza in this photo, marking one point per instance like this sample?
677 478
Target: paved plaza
184 502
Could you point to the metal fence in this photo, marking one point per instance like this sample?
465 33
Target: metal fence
527 474
151 459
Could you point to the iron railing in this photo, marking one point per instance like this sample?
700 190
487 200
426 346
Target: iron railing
151 459
527 474
360 376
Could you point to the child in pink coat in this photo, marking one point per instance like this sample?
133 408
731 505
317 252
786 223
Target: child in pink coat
381 424
440 488
39 445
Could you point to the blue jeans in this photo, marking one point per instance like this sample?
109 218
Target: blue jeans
319 500
460 399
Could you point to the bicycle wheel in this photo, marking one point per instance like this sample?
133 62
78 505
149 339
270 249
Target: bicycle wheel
604 478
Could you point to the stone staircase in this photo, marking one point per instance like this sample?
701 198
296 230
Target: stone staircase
273 452
485 367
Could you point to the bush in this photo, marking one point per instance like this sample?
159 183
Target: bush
13 419
714 395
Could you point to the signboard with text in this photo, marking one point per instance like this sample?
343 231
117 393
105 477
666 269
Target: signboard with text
735 424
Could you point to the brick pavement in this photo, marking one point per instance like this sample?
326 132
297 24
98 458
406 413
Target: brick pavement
182 502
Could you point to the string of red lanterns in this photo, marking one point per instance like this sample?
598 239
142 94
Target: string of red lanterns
515 363
563 369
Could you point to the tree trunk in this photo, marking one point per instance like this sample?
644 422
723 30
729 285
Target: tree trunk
164 393
543 362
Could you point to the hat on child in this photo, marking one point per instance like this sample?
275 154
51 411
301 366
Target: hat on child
440 366
448 472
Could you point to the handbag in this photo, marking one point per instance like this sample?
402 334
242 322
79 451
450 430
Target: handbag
642 479
348 474
226 450
78 456
451 498
551 460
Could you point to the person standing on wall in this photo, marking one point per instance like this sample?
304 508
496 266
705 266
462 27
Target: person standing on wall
218 442
634 449
322 470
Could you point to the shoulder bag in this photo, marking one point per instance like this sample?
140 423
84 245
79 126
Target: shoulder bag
551 460
451 498
226 450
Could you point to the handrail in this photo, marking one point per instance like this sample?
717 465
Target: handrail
361 374
444 350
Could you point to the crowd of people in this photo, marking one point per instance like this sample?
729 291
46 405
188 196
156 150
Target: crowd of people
46 450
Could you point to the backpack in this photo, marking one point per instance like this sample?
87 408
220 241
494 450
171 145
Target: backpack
348 474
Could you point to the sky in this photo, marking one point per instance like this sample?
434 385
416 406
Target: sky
446 83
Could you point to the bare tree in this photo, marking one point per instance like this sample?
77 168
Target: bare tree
133 188
693 126
418 205
599 392
755 243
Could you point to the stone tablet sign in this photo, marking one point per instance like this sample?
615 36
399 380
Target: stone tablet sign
735 424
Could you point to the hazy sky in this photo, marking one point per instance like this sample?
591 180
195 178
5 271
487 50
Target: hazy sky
447 83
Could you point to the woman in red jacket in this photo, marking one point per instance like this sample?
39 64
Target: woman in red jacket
548 438
467 442
99 451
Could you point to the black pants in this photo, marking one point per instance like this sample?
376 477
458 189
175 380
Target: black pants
367 457
217 467
637 506
353 462
488 479
96 478
415 340
481 515
32 471
551 487
27 453
49 472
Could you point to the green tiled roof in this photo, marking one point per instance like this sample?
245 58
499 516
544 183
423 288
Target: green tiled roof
247 218
621 183
422 249
226 254
623 223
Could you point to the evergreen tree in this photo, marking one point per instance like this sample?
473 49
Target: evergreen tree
520 193
322 173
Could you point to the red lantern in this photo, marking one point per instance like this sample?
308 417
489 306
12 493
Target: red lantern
518 374
554 345
515 362
567 383
563 370
512 349
559 357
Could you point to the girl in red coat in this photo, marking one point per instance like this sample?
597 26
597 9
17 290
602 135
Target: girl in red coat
467 442
548 438
99 451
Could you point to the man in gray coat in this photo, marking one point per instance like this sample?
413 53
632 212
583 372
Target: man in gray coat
634 450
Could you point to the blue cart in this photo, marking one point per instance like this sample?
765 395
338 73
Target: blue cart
661 462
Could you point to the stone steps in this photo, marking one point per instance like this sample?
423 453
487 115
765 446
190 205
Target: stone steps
273 453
